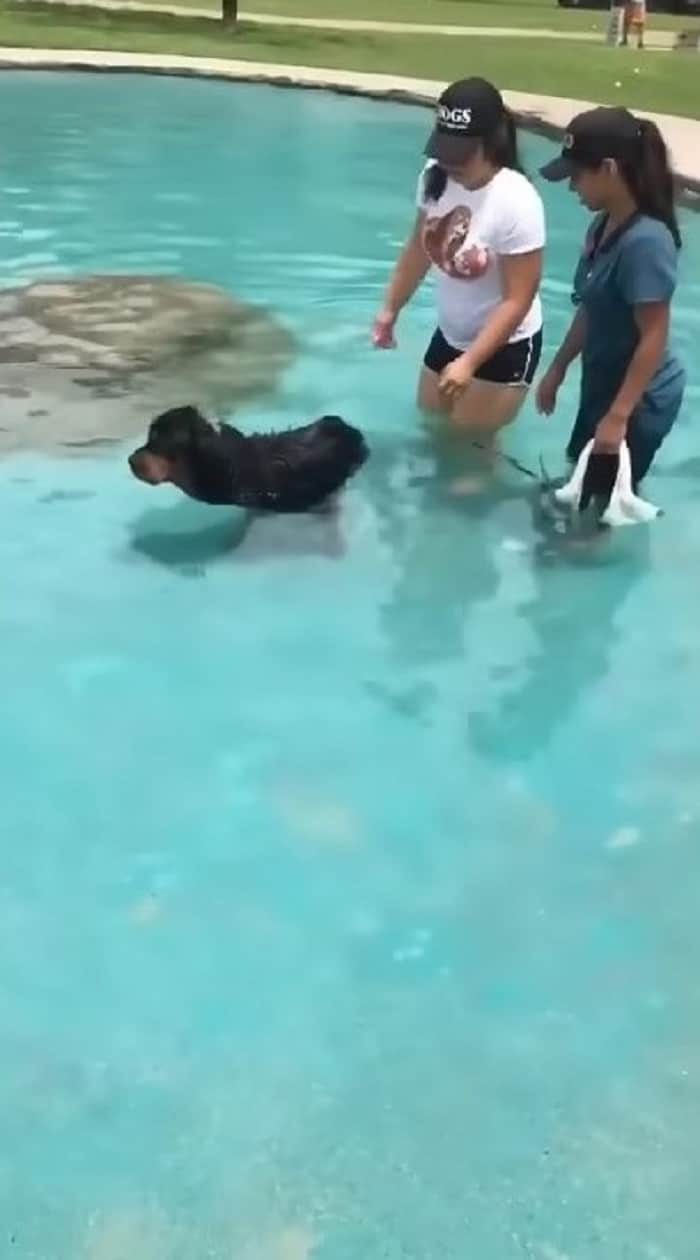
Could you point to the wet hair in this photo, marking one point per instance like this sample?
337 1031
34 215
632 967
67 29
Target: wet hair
500 148
650 178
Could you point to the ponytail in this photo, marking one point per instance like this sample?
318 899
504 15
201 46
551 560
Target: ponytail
435 182
650 179
500 148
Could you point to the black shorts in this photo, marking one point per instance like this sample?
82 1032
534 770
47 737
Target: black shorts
514 364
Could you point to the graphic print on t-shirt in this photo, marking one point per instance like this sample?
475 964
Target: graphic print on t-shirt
447 244
465 232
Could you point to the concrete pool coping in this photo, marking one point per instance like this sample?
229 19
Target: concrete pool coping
548 115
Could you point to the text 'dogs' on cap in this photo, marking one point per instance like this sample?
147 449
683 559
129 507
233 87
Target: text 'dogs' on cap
466 111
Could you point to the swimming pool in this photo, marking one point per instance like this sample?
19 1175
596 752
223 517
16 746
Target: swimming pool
349 877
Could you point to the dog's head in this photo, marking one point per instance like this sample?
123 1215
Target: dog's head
173 440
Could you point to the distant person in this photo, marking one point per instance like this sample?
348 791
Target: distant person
631 384
480 223
634 21
616 23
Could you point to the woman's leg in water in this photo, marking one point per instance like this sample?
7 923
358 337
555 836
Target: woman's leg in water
496 393
473 460
482 409
429 397
486 407
479 413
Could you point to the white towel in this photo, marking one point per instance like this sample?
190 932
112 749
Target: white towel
624 506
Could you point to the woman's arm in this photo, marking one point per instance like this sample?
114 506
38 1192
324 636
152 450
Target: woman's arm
411 269
646 278
573 343
652 320
570 348
520 275
520 278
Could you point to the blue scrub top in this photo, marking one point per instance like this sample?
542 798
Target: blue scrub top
637 263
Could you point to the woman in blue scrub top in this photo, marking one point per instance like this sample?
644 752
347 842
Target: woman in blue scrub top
631 384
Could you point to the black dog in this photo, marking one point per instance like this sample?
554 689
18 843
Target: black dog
292 471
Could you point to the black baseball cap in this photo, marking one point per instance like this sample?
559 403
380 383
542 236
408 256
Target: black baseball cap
592 137
467 110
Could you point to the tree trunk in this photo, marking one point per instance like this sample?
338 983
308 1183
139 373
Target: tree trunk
229 12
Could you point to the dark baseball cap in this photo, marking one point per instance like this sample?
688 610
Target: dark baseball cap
466 111
592 137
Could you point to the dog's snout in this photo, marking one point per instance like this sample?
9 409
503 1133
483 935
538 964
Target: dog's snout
136 463
150 468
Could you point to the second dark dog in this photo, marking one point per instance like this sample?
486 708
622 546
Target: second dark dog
293 471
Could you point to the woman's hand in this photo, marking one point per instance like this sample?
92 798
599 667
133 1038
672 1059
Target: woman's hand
547 390
383 330
610 433
456 377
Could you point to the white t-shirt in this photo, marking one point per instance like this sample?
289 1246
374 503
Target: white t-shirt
465 233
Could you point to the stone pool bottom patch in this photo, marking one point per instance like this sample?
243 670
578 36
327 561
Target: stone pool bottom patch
87 361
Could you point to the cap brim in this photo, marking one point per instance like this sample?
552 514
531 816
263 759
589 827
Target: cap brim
449 150
558 169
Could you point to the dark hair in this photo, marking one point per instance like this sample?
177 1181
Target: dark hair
435 182
650 178
500 148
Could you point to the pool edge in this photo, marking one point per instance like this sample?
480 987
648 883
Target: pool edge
545 115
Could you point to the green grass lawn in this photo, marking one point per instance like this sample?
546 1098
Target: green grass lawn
666 81
545 14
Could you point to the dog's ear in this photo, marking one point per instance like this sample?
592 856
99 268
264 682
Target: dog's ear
216 457
209 436
197 424
205 441
191 425
173 431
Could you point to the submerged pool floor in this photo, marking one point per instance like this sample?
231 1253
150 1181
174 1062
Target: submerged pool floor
349 879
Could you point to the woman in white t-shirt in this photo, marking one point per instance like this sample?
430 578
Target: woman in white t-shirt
480 224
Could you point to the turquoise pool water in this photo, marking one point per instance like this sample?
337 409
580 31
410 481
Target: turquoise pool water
349 880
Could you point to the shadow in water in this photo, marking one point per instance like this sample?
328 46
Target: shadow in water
454 490
433 499
581 583
189 537
440 503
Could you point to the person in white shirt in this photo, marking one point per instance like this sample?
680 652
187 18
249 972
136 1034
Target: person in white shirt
480 225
